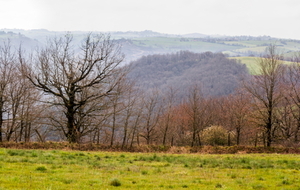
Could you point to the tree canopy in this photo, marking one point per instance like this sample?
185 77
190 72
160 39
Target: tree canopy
216 74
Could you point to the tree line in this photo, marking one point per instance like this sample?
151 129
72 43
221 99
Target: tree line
62 92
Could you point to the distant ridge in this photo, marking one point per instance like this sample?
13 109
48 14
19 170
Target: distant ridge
136 44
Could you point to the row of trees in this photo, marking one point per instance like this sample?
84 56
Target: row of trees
61 92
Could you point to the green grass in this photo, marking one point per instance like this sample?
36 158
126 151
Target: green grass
252 63
175 44
286 45
56 169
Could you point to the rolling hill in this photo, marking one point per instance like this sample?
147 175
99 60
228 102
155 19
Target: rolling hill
213 72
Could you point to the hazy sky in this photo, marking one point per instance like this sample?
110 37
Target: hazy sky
277 18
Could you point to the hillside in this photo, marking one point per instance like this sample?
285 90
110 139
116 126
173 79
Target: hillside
17 39
252 63
216 74
138 44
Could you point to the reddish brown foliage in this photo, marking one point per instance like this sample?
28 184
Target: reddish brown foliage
153 148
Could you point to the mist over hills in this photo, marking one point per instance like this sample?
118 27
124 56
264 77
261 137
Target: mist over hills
137 44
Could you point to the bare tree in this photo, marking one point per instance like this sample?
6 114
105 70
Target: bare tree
18 98
8 60
288 121
181 125
265 88
136 121
117 106
151 115
235 110
292 99
197 108
167 121
74 80
130 113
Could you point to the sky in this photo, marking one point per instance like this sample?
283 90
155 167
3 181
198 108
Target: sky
276 18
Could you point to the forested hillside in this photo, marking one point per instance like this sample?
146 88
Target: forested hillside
214 72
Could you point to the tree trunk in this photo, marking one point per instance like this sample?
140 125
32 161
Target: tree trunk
238 134
112 136
1 123
1 119
268 136
199 139
27 132
269 126
165 133
71 135
255 140
125 132
194 136
296 132
229 140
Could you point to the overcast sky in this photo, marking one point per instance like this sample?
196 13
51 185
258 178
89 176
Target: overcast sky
276 18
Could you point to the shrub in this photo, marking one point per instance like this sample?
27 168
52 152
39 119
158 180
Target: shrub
15 152
218 185
286 182
41 169
214 136
233 176
115 182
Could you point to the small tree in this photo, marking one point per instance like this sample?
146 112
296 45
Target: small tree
151 114
235 109
167 119
198 110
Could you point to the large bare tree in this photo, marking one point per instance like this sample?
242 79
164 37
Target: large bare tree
77 80
266 90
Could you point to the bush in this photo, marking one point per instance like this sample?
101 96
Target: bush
41 169
115 182
218 185
214 136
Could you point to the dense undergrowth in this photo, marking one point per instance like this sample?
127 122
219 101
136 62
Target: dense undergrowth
153 148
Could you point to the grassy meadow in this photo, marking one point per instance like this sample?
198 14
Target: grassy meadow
58 169
252 63
175 44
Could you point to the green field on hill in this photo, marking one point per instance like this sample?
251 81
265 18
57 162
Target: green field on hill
177 44
252 63
58 169
256 47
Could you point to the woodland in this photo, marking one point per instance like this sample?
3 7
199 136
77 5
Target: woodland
84 93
